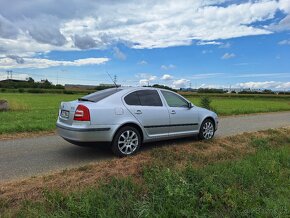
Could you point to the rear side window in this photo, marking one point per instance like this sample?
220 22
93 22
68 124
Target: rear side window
100 95
144 98
132 99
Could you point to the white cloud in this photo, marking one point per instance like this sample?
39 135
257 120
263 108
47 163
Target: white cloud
208 43
143 62
205 75
284 42
228 56
146 78
180 83
42 26
265 85
206 51
259 75
168 67
167 77
119 54
20 76
10 63
225 45
212 86
144 82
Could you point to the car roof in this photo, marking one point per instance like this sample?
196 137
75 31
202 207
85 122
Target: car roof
129 88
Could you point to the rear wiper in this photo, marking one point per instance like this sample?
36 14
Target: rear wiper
85 99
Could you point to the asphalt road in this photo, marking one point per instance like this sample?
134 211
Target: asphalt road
32 156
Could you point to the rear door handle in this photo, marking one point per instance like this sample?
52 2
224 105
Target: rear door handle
173 112
138 112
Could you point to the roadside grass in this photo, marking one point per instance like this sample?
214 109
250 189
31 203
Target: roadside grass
238 176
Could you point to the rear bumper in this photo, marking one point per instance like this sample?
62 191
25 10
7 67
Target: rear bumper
86 134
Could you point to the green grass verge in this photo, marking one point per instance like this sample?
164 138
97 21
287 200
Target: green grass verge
246 105
38 112
31 112
256 185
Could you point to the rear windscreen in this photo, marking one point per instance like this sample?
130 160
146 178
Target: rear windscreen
100 95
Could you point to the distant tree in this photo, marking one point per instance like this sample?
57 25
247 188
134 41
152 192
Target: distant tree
268 91
163 87
207 90
46 84
30 80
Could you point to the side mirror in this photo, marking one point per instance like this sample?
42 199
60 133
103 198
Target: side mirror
190 105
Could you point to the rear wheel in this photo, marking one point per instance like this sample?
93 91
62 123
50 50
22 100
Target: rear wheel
206 129
126 141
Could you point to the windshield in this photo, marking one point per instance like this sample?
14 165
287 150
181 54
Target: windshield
100 95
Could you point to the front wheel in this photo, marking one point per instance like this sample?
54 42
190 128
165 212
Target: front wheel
126 141
206 129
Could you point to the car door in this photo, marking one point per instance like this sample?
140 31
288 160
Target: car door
183 117
148 109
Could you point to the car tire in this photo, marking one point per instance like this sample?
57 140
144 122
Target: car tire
207 130
126 141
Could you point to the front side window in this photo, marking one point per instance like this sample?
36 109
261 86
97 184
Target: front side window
144 98
174 100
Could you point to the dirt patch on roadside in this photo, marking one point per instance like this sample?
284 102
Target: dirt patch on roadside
10 136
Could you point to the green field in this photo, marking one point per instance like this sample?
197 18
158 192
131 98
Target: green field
31 112
38 112
246 105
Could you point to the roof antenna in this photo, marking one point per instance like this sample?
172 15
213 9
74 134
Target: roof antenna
112 80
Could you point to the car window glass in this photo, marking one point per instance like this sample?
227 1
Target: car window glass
100 95
149 98
132 99
144 98
174 100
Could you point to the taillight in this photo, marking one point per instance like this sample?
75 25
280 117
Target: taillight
82 113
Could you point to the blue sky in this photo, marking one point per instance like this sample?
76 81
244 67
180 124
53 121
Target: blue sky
214 43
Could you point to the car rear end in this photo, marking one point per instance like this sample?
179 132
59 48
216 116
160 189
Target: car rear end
81 121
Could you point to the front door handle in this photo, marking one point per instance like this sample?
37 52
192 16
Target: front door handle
173 112
138 112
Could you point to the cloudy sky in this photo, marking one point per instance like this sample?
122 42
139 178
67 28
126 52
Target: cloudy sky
202 43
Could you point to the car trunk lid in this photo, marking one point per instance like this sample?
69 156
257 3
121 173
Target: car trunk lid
67 111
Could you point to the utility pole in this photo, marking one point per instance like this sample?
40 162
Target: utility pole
9 74
56 77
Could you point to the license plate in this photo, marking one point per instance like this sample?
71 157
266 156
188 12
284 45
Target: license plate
64 114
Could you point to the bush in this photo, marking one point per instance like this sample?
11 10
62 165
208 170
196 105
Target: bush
205 102
35 91
3 90
68 92
20 90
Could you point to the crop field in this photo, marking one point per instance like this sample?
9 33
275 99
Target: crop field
38 112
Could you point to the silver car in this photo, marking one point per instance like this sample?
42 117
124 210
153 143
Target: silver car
128 117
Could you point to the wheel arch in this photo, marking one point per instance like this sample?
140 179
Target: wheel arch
132 124
210 118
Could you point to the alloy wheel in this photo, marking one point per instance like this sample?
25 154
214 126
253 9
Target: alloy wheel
128 142
208 130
